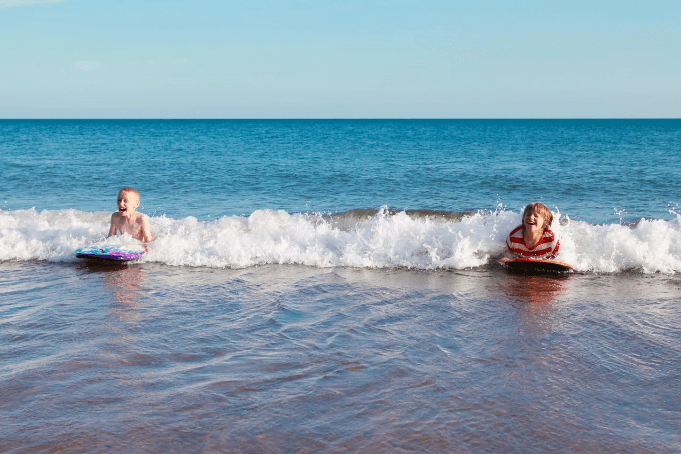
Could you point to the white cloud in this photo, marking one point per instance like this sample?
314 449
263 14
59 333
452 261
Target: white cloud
88 65
12 3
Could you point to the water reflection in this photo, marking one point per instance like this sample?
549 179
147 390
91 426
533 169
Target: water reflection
124 280
124 283
538 292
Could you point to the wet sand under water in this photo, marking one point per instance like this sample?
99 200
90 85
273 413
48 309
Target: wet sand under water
152 358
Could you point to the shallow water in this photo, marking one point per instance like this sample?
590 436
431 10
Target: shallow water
151 358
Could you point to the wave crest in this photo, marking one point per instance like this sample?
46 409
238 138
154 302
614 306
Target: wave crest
382 238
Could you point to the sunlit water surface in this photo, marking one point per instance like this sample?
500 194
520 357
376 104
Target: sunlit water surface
151 358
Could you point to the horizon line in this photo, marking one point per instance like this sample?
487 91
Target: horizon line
332 118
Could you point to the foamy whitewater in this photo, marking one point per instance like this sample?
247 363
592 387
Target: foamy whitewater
353 239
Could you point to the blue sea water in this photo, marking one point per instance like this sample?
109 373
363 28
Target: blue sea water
600 171
333 286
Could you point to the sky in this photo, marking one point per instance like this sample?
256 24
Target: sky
340 59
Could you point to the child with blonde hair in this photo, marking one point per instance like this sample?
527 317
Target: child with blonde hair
128 220
534 238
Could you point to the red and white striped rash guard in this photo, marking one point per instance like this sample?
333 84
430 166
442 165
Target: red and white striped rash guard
546 248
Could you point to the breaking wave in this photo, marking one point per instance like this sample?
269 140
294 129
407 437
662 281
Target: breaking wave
383 238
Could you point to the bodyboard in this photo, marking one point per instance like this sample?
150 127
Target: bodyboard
534 266
111 254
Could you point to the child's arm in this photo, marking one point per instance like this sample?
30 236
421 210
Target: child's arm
554 253
507 255
112 227
147 236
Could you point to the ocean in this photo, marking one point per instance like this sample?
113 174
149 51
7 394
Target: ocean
333 286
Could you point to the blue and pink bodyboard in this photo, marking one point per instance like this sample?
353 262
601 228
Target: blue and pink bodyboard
111 253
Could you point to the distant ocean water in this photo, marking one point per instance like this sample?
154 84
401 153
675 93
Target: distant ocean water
332 286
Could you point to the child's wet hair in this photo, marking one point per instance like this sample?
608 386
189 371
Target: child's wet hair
129 189
542 210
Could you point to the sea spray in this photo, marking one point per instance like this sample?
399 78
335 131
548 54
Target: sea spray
648 246
361 238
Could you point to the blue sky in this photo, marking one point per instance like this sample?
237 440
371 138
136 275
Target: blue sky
341 59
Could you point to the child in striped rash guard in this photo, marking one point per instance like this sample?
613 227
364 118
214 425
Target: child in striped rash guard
533 238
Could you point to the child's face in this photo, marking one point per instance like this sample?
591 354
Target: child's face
127 202
533 220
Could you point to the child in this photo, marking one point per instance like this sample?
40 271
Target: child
534 239
128 220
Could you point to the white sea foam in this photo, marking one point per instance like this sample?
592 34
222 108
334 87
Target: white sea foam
382 240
